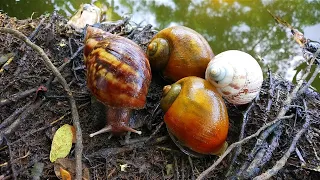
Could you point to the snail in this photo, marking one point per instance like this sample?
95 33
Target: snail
88 14
118 75
196 116
179 52
237 76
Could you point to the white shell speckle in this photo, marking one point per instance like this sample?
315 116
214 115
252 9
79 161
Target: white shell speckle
237 76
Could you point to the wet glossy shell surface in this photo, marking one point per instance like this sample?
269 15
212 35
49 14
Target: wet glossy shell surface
118 72
198 116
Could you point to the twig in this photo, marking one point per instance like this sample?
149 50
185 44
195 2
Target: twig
263 155
176 168
17 96
260 142
22 117
155 132
282 113
29 133
191 166
239 149
9 119
14 172
280 163
314 75
75 115
37 29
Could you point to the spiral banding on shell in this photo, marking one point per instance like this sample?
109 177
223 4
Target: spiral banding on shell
237 76
118 72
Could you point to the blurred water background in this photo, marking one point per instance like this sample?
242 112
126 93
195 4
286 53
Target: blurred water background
227 24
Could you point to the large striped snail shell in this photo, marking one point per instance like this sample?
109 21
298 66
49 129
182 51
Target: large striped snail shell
118 75
237 76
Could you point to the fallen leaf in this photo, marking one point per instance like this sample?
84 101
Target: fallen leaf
65 175
74 137
61 143
70 166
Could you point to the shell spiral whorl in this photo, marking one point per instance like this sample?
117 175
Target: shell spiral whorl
237 76
196 116
118 75
118 72
178 52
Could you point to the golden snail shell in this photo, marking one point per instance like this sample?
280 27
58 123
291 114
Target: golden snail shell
178 52
196 116
237 76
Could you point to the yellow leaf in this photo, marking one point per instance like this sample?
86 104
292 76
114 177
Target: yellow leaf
61 143
65 175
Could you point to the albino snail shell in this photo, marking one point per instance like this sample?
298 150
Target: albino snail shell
237 76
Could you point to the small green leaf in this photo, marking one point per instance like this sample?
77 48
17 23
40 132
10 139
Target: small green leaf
61 143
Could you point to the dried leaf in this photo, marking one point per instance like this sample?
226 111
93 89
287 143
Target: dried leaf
61 143
65 175
74 137
70 166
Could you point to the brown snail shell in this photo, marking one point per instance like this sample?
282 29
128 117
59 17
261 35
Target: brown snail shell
118 75
179 52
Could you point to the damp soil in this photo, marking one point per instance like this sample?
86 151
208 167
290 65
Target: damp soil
26 84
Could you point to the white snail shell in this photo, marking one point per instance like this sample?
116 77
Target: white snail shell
237 76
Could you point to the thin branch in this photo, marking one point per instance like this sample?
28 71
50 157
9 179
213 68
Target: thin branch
75 115
314 75
10 119
280 163
17 96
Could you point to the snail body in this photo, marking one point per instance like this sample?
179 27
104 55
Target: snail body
196 116
118 75
179 52
236 75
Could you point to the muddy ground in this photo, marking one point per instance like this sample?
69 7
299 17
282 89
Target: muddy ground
27 86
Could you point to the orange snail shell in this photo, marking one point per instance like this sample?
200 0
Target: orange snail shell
195 116
179 52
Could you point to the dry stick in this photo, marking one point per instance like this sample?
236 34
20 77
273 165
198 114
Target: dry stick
258 162
29 133
10 119
260 141
17 96
75 115
14 172
280 163
239 149
155 132
22 117
282 112
314 75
